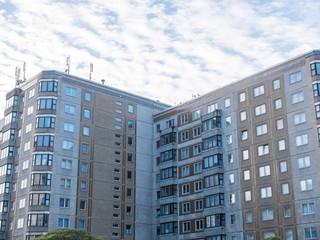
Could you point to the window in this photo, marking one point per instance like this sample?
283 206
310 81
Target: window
23 183
198 205
44 141
169 190
86 113
301 140
198 186
185 207
169 123
299 118
281 145
39 199
87 96
229 138
230 158
129 192
69 127
129 211
247 196
20 223
263 150
317 109
216 220
278 103
197 167
42 159
30 110
48 86
215 200
267 214
308 208
168 227
315 68
283 166
279 124
311 233
67 145
129 174
86 131
242 97
243 116
83 186
297 97
249 218
69 109
231 178
85 148
232 198
128 229
47 103
197 149
4 206
199 224
276 84
306 185
185 189
38 220
84 167
118 119
244 135
64 202
245 154
228 120
41 179
184 118
212 107
63 222
212 123
130 124
10 118
214 160
227 102
71 91
45 122
264 171
262 129
196 132
9 134
285 188
258 91
266 192
27 146
289 234
246 175
184 153
196 114
168 209
213 180
12 101
82 224
295 77
286 211
232 218
304 162
28 127
130 108
65 183
259 110
67 164
118 110
184 135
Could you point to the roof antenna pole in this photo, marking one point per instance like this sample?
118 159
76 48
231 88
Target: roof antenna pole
91 70
68 65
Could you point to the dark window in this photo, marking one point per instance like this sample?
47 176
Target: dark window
41 179
211 123
42 159
214 141
45 122
48 86
39 199
38 220
47 103
44 141
315 68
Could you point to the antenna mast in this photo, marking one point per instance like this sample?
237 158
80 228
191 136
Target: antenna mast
68 65
91 70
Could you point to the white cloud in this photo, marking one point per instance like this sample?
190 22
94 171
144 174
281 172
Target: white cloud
135 46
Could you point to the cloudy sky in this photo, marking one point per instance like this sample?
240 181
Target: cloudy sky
165 50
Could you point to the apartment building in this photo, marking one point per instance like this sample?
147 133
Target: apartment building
76 154
242 162
238 163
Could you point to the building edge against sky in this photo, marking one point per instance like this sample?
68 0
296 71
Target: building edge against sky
237 163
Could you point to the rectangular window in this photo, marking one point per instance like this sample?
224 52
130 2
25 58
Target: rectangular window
279 124
281 145
228 120
246 175
277 103
213 180
198 186
214 200
69 127
306 185
297 97
299 118
67 145
258 91
86 131
263 150
67 164
39 199
227 102
285 189
243 116
198 205
63 222
185 207
71 91
311 233
195 114
65 183
214 160
196 132
185 189
198 225
249 218
184 153
168 209
315 68
301 140
247 196
267 214
184 118
214 141
47 103
283 166
245 154
41 179
295 77
242 97
170 172
231 178
38 220
43 141
304 162
264 171
212 107
184 135
10 118
308 208
29 110
64 202
197 167
262 129
317 109
286 211
266 192
230 158
42 159
87 113
69 109
244 135
130 108
48 86
45 122
259 110
216 220
87 96
168 227
276 84
212 123
197 149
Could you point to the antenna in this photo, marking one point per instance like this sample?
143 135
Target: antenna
24 71
102 81
91 70
17 75
68 65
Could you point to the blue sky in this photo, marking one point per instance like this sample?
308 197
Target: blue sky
164 50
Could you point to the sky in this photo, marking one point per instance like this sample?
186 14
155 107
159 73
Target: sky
163 50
